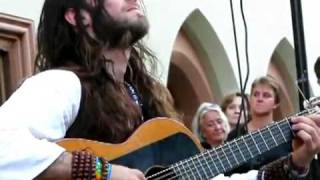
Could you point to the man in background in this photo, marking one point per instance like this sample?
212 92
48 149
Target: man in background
315 164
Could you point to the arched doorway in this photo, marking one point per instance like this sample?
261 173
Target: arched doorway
282 68
199 69
187 84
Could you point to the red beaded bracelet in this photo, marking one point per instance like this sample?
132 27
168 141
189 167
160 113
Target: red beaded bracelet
87 166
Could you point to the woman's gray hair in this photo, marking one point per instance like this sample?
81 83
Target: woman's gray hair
202 110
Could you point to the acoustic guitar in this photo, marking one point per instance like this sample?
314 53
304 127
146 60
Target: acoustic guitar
165 149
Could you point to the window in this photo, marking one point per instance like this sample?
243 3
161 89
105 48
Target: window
17 52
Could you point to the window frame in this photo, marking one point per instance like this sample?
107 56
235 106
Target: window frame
17 43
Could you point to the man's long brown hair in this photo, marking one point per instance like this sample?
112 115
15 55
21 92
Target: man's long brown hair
108 114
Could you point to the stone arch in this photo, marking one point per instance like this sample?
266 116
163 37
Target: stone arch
282 67
199 58
187 85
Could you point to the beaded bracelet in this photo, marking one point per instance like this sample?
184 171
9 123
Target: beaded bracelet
81 165
99 168
293 171
109 170
281 169
87 166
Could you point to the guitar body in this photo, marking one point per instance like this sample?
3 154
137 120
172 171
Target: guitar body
154 145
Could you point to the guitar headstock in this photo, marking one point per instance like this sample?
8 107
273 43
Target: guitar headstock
312 103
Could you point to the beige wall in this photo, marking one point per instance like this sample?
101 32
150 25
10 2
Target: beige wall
24 8
269 21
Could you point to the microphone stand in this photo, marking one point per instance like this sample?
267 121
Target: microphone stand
300 51
300 54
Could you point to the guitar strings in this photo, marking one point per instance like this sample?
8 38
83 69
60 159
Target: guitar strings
192 168
189 169
196 164
170 173
170 170
226 157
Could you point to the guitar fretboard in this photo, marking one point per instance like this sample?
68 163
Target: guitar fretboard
231 154
234 153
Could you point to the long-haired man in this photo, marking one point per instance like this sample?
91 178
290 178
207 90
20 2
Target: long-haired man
92 83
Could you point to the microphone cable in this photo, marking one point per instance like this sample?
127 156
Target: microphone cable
244 99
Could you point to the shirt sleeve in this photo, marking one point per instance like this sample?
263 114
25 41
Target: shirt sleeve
38 113
251 175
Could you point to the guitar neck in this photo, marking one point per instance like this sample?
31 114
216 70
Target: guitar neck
232 154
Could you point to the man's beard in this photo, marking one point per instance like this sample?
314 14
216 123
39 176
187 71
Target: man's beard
116 33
